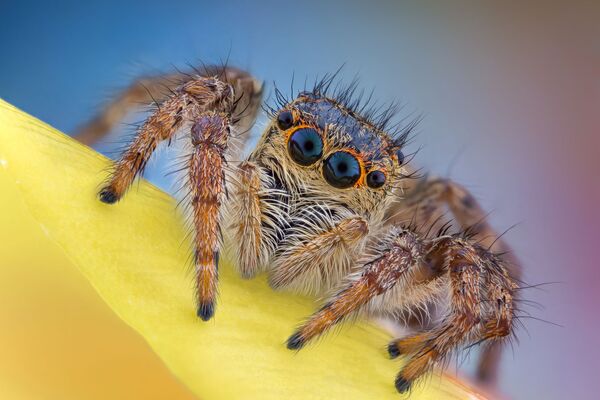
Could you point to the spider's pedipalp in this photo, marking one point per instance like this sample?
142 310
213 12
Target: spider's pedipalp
246 219
380 275
327 252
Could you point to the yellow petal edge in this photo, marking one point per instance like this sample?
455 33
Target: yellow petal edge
134 255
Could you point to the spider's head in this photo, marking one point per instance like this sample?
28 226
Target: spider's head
324 146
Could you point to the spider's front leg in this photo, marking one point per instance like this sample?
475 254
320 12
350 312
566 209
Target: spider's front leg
186 103
206 172
207 105
160 126
158 88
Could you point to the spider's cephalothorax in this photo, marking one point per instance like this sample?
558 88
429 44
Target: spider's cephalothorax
325 181
324 205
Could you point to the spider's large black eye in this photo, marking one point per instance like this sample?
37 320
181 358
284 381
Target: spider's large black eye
376 179
305 146
341 170
285 120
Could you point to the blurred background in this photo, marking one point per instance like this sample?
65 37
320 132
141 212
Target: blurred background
509 91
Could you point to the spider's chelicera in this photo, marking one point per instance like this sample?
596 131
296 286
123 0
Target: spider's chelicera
327 205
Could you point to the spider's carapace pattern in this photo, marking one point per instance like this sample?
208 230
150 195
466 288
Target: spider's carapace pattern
327 204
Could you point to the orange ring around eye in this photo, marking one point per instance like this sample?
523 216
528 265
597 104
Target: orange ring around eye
361 180
291 131
371 172
304 144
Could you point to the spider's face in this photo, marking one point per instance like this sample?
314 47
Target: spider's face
324 148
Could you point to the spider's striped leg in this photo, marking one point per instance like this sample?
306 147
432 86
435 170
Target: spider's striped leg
143 91
501 296
429 200
468 213
160 126
187 102
207 104
156 89
210 136
399 261
480 308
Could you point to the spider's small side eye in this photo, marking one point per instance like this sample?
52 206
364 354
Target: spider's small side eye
305 146
400 156
341 170
376 179
285 120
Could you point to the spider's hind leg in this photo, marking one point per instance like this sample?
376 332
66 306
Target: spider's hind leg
474 280
481 308
428 201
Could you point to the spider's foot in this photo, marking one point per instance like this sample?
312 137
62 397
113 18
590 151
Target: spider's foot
402 385
206 311
108 196
295 342
393 350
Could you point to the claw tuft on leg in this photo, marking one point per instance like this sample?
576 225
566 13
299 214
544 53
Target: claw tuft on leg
393 350
108 196
295 342
206 311
402 385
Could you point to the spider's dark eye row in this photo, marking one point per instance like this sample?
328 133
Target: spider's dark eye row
341 170
376 179
305 146
285 120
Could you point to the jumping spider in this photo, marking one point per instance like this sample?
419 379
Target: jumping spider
326 204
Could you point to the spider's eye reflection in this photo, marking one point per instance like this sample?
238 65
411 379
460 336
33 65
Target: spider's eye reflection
305 146
341 170
376 179
285 120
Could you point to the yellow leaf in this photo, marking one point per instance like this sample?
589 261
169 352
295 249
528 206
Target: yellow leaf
58 338
134 255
